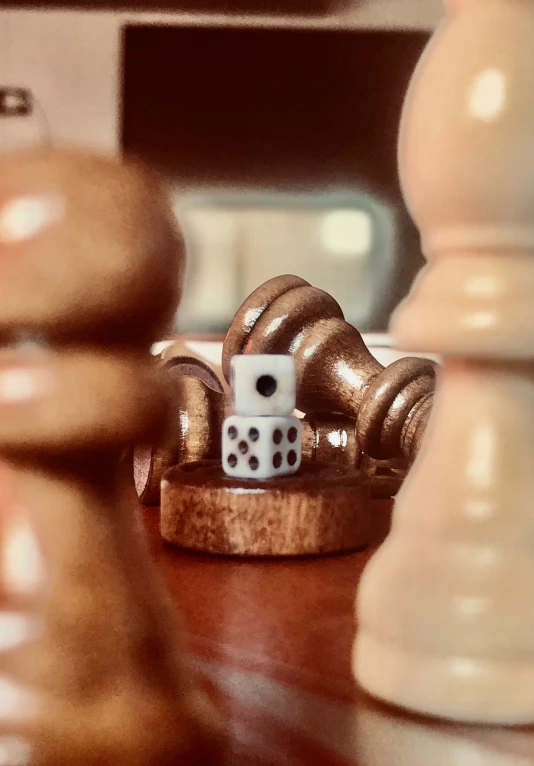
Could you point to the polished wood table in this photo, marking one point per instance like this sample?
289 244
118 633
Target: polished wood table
272 640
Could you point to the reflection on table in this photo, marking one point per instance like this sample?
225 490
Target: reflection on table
272 642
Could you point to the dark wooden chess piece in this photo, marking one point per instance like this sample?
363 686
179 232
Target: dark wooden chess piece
194 430
90 269
335 371
333 439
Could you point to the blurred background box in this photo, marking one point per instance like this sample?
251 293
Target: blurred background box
280 148
274 121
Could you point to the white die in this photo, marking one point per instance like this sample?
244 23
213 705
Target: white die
258 448
263 384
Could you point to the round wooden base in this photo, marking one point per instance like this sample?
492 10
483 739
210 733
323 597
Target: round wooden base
322 509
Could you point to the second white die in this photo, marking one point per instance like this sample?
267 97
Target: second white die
263 384
262 447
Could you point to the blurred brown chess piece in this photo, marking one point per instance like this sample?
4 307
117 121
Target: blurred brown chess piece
90 269
335 371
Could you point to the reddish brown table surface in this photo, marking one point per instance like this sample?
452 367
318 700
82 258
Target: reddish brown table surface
272 641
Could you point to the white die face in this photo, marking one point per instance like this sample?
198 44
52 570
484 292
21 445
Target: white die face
259 448
263 384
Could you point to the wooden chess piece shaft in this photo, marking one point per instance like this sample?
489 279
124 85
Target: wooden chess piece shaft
333 439
446 607
91 264
335 371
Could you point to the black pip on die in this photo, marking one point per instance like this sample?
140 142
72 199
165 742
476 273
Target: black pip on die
262 439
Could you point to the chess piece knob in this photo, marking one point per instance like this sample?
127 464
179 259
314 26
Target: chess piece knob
467 172
55 283
336 373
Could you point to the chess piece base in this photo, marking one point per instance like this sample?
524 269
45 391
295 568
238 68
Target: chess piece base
322 509
475 691
445 606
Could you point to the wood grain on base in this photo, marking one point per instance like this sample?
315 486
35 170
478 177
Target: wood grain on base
322 509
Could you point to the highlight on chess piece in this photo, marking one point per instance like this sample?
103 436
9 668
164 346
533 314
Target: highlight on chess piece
263 438
335 371
446 606
90 269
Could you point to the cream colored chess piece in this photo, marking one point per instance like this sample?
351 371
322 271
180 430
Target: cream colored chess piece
446 607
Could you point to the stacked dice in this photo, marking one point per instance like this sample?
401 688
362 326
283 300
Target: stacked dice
263 502
263 438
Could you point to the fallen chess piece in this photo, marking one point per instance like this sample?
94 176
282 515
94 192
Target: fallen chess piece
336 373
90 270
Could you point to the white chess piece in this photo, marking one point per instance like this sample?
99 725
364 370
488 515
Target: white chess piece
446 606
262 439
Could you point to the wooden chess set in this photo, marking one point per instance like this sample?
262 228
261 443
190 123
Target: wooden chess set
287 450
